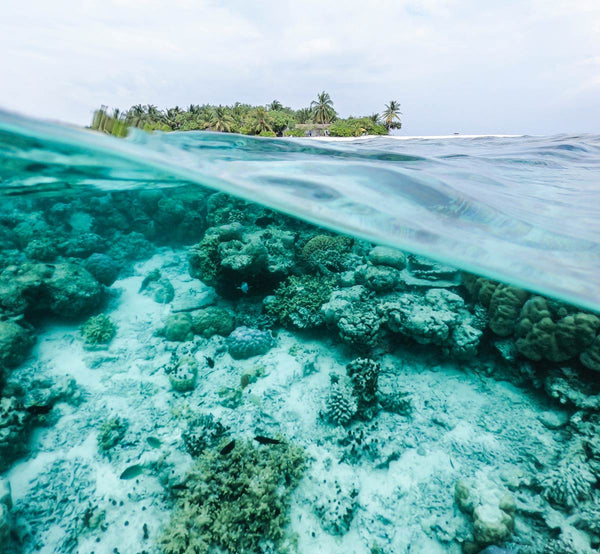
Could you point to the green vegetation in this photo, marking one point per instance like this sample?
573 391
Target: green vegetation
272 120
391 116
356 127
236 501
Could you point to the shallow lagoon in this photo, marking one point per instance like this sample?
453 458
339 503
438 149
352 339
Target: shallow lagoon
258 384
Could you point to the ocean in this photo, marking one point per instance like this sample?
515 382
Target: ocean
217 343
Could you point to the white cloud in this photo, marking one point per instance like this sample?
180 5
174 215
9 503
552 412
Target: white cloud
455 65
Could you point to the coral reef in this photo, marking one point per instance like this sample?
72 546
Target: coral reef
213 321
232 254
111 432
238 501
364 374
244 343
570 482
182 372
437 317
98 329
492 511
103 268
178 328
326 254
15 343
384 255
341 404
297 301
203 432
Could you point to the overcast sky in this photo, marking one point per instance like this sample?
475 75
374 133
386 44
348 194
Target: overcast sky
469 66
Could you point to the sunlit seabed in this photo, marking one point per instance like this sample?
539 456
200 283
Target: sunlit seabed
252 383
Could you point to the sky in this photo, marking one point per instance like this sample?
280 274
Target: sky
468 66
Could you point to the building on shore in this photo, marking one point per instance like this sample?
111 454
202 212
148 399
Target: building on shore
314 129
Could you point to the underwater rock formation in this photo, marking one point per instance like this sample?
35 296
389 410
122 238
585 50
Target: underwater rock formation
437 317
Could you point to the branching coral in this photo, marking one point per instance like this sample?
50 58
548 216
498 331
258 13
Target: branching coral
341 404
236 501
570 482
364 373
326 253
98 329
203 432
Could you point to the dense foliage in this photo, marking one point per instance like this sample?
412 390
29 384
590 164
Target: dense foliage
271 120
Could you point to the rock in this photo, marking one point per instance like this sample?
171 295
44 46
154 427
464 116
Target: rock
553 420
5 494
381 278
103 268
15 342
384 255
73 291
491 524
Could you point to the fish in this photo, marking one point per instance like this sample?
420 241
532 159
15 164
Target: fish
132 472
266 440
227 448
39 410
153 442
244 287
209 361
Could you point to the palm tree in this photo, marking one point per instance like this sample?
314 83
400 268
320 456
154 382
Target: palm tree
391 116
260 121
303 115
322 108
275 105
374 117
220 120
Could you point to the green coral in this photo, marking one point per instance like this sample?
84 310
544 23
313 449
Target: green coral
111 432
298 300
326 253
213 321
237 502
98 329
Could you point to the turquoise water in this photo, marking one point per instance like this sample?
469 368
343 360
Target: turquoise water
523 210
212 343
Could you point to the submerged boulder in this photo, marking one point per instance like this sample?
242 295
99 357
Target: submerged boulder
73 291
15 342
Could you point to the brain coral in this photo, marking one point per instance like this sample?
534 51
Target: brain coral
244 343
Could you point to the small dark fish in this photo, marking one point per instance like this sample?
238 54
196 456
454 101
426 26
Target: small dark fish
266 440
179 487
227 448
39 410
153 442
209 361
132 472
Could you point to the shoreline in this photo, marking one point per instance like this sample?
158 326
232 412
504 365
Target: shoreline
411 137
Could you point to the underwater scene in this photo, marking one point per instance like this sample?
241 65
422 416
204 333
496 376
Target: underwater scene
215 344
